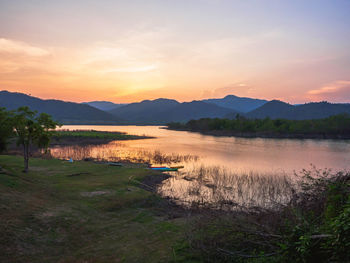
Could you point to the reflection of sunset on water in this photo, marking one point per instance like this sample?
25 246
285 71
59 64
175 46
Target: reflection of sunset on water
232 153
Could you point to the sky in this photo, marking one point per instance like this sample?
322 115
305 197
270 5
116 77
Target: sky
125 51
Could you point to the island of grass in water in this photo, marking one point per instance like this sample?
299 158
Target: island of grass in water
63 137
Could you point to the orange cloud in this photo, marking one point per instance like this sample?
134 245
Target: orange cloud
338 91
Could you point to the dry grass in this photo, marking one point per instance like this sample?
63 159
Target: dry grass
116 152
221 189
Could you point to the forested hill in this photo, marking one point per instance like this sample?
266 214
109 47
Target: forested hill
64 112
334 127
316 110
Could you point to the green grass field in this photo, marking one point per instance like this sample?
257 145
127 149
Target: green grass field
83 212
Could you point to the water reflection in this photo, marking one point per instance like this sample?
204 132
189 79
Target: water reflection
238 154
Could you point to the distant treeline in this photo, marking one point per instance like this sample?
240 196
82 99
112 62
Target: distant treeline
337 126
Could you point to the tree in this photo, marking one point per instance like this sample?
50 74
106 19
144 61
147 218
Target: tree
32 129
6 129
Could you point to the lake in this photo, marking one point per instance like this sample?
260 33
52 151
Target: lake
239 154
230 155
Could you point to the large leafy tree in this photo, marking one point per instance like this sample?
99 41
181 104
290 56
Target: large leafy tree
6 128
32 129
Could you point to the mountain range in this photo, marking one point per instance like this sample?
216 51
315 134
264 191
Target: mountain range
162 111
240 104
104 105
165 110
64 112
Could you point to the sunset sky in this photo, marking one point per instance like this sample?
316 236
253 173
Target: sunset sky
125 51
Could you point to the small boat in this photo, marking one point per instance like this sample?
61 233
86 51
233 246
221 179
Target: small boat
157 167
177 167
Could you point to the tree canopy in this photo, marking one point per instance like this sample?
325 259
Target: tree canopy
6 128
28 127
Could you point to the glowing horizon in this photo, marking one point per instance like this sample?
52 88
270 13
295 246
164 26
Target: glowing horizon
184 50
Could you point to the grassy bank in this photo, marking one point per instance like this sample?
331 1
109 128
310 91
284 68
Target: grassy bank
334 127
82 212
67 137
88 212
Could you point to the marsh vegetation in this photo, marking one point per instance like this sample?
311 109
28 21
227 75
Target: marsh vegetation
219 188
116 152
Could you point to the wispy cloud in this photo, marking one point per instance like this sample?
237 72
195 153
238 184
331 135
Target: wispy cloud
17 47
338 91
334 87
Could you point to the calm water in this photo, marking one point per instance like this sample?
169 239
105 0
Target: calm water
238 154
218 170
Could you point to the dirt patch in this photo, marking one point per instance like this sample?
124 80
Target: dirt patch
54 212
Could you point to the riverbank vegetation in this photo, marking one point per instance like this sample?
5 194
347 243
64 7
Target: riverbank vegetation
333 127
115 152
313 226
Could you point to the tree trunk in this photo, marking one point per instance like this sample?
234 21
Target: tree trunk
26 157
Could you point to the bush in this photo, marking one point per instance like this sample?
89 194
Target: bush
313 227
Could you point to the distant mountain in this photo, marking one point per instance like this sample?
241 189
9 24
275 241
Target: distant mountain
165 110
147 111
315 110
64 112
195 110
104 105
273 109
235 103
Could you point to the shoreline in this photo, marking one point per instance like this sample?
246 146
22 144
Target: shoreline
218 133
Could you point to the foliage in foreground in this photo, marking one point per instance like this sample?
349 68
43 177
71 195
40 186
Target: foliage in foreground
313 227
334 125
